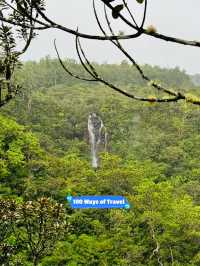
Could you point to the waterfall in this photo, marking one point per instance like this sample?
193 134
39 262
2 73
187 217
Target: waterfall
97 137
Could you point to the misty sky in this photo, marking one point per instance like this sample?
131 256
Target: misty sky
178 18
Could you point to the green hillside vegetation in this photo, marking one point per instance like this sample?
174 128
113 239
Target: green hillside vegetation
153 158
48 72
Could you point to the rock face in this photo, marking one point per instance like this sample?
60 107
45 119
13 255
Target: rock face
97 137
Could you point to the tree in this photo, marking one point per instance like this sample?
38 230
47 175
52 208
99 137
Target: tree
29 17
9 55
30 229
21 157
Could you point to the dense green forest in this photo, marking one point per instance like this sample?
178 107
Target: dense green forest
152 158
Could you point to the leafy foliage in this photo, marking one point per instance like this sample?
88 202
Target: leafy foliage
152 159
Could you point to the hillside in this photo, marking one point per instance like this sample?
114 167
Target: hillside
152 158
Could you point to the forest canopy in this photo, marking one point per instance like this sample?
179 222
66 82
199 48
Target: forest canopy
152 158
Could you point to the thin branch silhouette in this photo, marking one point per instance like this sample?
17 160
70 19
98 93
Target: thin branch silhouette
30 16
52 24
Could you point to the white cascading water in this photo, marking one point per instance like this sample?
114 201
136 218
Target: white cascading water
97 137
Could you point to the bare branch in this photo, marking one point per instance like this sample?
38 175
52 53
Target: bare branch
156 251
30 15
144 15
141 31
119 46
130 13
91 70
66 69
82 62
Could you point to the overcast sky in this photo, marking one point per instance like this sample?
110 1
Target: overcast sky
178 18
